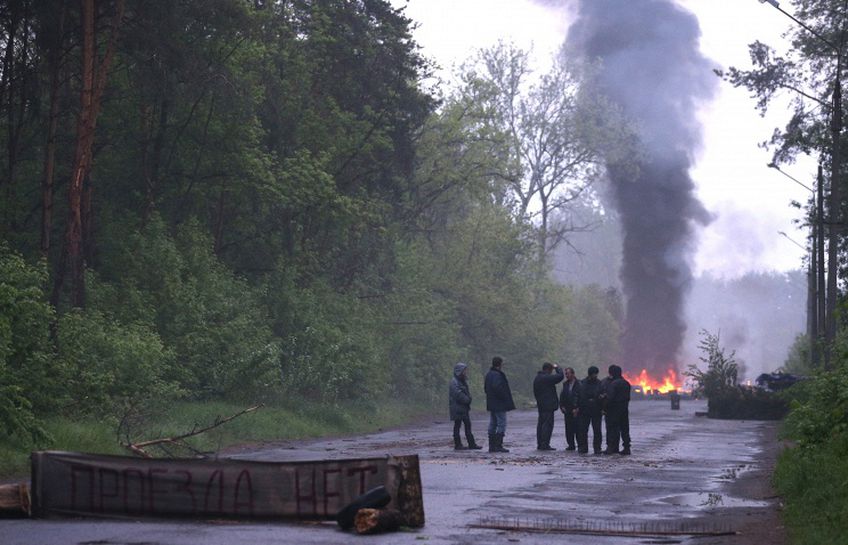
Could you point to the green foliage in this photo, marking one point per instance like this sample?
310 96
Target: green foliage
719 384
277 212
27 381
109 364
422 336
798 361
820 404
210 320
812 475
722 369
808 70
813 483
592 330
742 403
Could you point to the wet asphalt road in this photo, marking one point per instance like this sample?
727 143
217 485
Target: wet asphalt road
686 473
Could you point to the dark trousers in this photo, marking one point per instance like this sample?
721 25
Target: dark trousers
583 422
618 430
570 428
456 424
544 428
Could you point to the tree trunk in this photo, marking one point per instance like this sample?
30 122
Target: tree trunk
154 159
7 87
52 125
90 98
835 202
219 223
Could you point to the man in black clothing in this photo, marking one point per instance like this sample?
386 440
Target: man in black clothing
617 410
568 405
498 402
589 405
544 389
459 404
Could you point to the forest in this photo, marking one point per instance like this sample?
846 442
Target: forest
270 202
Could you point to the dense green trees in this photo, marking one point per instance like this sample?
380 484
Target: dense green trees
273 208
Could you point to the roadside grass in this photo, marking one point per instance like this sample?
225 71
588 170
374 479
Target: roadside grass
270 423
813 482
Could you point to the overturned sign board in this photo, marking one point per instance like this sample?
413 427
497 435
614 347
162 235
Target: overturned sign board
68 483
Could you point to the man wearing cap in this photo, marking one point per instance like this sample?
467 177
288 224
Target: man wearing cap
589 405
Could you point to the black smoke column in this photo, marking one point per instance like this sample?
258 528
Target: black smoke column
652 69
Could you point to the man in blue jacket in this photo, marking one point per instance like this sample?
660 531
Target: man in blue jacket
545 392
498 403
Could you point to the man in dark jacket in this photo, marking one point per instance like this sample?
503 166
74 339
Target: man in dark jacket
568 399
617 408
460 407
498 403
544 389
589 406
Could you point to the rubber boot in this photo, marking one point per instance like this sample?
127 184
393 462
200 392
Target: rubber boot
500 438
493 443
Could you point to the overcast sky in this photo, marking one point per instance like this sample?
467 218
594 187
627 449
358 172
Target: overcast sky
751 202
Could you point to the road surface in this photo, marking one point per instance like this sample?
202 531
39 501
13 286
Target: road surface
688 476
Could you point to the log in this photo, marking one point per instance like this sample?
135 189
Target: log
375 498
373 521
14 500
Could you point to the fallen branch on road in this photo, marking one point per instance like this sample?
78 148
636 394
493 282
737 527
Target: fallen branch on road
178 440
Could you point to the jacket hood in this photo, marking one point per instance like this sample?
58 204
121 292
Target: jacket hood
458 369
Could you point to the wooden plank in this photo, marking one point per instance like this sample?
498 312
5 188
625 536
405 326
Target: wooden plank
14 500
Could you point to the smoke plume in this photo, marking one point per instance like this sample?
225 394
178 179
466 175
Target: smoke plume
651 67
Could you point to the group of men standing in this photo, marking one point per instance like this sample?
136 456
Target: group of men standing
583 403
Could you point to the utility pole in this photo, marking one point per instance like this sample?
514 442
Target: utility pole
820 291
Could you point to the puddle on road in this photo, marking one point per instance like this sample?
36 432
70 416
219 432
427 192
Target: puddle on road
733 473
710 500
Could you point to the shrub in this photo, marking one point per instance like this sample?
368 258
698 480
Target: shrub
210 320
110 364
747 404
28 382
812 481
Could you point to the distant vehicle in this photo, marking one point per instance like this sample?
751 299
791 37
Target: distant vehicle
777 381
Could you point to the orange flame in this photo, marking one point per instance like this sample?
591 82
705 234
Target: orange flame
668 383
